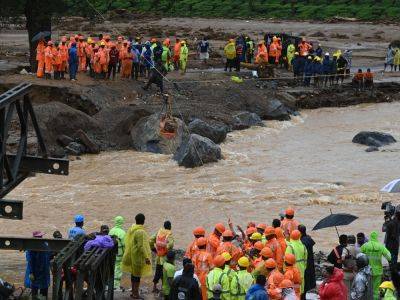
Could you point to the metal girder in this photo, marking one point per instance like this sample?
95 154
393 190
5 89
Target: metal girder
54 166
11 209
34 244
18 91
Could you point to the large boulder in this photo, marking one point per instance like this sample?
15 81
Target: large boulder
373 138
245 120
146 136
196 151
276 110
215 133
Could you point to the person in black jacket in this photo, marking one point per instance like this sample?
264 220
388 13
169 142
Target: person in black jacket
309 274
335 257
392 238
185 286
156 76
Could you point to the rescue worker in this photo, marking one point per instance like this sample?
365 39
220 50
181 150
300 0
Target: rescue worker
290 51
72 61
254 254
119 46
161 243
112 64
326 68
248 244
308 71
304 48
96 66
296 247
41 46
280 237
335 256
241 280
146 59
103 59
198 232
89 55
396 60
48 60
293 273
262 53
341 69
368 79
229 268
317 71
37 273
358 80
157 76
177 53
257 290
274 278
119 234
166 54
289 224
82 54
261 267
309 275
261 228
230 55
387 291
375 250
137 255
217 276
239 55
214 239
203 262
274 245
361 288
127 61
56 61
168 272
183 57
249 50
389 60
333 287
63 49
319 51
287 290
298 68
77 230
228 246
273 52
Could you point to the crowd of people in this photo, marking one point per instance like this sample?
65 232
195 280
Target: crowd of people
257 263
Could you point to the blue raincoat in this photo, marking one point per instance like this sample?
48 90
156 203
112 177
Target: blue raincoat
38 264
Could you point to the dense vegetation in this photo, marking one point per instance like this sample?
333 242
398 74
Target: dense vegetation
287 9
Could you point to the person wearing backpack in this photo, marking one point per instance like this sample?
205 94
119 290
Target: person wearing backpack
161 243
241 280
118 233
217 276
335 257
168 273
185 286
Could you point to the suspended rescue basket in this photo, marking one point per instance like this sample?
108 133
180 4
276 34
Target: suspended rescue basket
168 124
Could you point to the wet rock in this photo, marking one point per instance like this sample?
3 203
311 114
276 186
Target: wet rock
64 140
276 110
215 133
373 138
90 145
245 120
372 149
146 136
196 151
75 148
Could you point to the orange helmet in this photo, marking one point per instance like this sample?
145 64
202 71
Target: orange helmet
251 224
153 40
107 37
167 42
269 231
295 235
267 252
227 233
201 242
63 39
259 246
250 230
277 278
270 263
290 259
50 43
199 231
219 261
286 283
220 228
261 226
289 211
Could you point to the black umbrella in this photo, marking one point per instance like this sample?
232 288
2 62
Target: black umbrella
334 220
41 35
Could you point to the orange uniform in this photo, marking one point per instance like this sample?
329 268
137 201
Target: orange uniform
281 239
274 279
234 251
103 59
82 55
359 76
177 52
202 261
293 274
126 64
63 49
48 59
56 59
191 249
369 76
213 242
40 58
96 62
262 54
276 248
288 225
304 48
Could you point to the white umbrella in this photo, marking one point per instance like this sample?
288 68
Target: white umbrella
392 187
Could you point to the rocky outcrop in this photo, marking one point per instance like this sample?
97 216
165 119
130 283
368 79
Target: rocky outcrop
373 138
146 136
196 151
245 120
215 133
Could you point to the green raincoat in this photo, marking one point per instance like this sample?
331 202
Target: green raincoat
137 250
375 250
291 50
240 284
119 234
297 248
217 276
183 58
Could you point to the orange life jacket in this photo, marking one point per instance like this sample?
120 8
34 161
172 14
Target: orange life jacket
161 243
40 51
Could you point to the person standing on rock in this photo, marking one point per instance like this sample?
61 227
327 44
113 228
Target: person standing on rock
157 76
118 233
72 61
137 256
309 274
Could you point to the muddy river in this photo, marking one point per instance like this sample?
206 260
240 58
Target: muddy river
308 163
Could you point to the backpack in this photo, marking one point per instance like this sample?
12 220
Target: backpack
6 289
183 291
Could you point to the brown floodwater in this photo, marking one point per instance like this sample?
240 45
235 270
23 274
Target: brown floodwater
308 163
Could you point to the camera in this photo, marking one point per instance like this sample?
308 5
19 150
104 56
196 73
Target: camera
389 209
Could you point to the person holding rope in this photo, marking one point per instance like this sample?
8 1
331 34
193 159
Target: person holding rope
157 76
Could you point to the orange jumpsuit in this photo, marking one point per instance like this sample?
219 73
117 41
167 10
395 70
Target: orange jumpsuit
103 59
281 239
56 59
82 56
191 249
40 59
213 242
288 225
234 251
304 48
293 274
274 279
277 250
126 64
262 54
177 52
202 261
48 59
96 62
63 49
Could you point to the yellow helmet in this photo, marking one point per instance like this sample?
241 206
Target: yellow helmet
89 40
256 236
226 256
244 262
102 43
387 285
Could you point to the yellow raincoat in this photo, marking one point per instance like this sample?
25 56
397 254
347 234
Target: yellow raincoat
137 250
